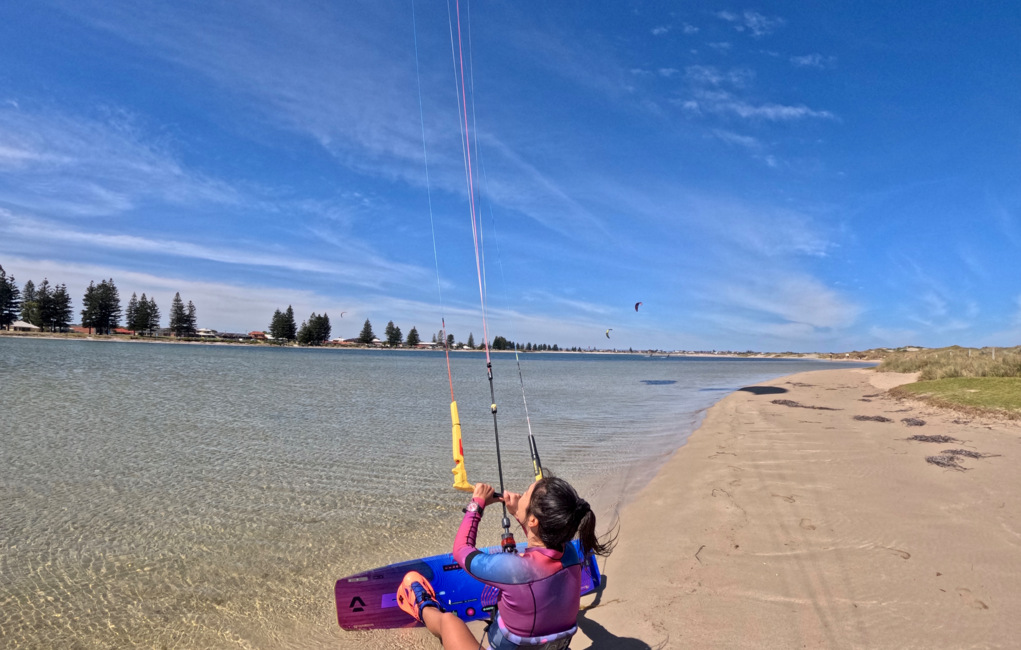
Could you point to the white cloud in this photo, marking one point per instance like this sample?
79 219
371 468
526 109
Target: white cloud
723 102
707 75
795 298
660 30
752 21
76 166
730 137
690 29
812 61
365 270
668 72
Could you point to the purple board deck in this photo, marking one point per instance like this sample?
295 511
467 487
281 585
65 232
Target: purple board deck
368 600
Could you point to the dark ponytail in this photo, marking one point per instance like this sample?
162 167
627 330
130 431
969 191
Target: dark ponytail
562 514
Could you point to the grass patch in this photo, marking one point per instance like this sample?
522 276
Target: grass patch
955 361
979 395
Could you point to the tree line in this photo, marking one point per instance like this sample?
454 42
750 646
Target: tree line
393 338
314 331
50 309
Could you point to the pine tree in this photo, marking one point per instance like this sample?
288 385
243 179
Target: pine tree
190 319
290 328
110 306
89 307
314 331
393 335
275 324
305 333
413 339
178 316
101 307
131 314
10 300
366 335
471 341
450 340
43 312
153 323
63 312
28 304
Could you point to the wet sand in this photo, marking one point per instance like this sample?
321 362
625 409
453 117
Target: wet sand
789 525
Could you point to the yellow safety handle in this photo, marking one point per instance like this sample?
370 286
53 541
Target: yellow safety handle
460 475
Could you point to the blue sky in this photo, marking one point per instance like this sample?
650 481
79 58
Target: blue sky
778 176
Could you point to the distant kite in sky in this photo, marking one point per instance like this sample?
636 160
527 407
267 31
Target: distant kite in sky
608 332
636 305
344 312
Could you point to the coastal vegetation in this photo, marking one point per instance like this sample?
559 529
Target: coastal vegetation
972 380
976 395
955 361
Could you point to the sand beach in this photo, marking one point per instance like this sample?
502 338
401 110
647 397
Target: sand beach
785 522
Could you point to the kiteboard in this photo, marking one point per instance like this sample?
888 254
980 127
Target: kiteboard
368 600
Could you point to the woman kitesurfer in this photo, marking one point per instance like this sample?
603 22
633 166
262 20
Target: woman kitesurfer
539 588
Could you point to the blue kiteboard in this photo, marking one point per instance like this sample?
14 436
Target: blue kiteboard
368 600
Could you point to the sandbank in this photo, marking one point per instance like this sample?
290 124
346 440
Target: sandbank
792 525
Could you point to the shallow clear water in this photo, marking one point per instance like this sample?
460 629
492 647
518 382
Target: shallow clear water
187 496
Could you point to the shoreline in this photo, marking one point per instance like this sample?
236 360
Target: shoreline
790 525
121 338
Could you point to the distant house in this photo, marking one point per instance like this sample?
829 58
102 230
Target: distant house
78 329
207 333
234 336
22 326
122 331
427 344
258 336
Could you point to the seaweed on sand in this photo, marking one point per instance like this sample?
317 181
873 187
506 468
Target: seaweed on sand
967 453
913 422
946 461
872 418
941 439
793 404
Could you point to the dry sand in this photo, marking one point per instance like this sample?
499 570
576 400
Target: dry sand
781 526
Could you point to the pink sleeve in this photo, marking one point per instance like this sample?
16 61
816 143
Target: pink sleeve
464 543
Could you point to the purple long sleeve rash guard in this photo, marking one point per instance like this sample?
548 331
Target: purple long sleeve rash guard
540 589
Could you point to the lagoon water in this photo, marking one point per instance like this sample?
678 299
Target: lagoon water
194 496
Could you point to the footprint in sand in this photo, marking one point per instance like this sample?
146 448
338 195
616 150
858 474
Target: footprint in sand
807 524
789 499
975 602
904 555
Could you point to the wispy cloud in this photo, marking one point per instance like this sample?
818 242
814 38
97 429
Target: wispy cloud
721 102
730 137
78 166
794 298
660 30
380 271
708 75
752 21
812 61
